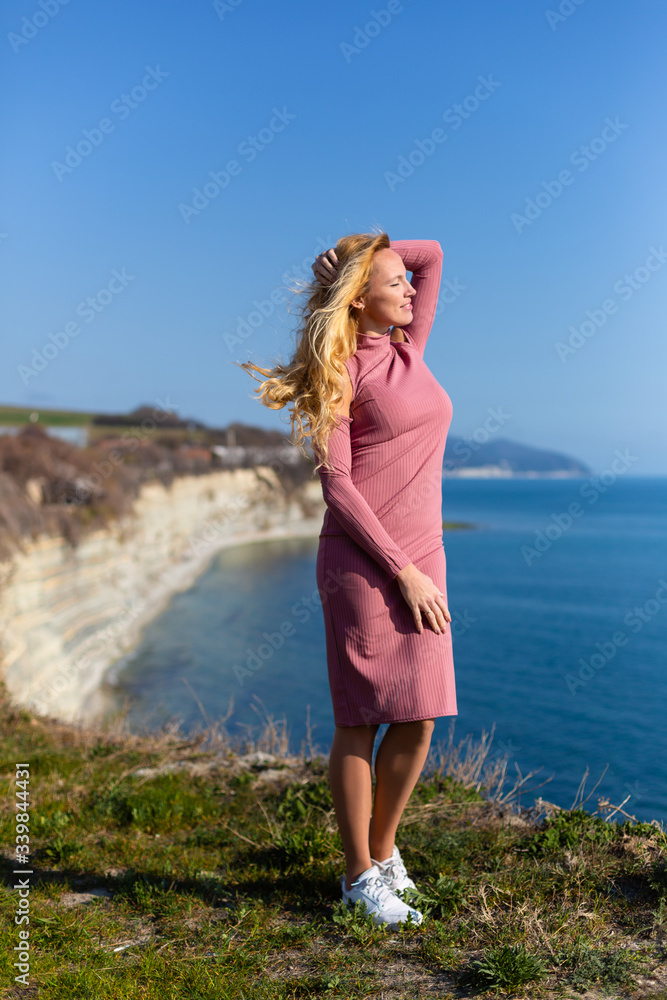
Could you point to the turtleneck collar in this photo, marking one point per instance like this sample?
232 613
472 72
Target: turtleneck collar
372 340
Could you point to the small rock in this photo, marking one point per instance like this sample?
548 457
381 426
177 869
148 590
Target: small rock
70 899
193 767
271 774
258 759
144 939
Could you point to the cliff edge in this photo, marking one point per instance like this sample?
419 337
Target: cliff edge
67 612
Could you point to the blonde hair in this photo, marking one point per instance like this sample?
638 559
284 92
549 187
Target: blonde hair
313 378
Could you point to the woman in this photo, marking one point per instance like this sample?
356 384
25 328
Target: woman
378 420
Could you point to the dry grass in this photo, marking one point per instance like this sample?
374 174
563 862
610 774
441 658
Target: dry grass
48 486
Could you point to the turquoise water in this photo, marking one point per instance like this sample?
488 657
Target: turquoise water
559 635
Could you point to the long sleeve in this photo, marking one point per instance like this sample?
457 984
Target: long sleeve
350 508
424 259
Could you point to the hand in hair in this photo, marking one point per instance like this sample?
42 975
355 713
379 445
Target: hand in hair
325 267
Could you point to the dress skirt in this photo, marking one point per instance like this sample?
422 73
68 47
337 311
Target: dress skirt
381 669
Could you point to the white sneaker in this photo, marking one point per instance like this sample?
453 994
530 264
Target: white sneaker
381 903
394 873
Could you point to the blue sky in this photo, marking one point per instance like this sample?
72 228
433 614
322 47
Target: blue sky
318 106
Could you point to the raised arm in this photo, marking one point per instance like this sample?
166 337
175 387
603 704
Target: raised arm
350 508
424 259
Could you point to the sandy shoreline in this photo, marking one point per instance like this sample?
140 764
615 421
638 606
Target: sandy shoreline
181 579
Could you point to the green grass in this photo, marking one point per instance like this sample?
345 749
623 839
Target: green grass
51 418
224 884
16 416
506 967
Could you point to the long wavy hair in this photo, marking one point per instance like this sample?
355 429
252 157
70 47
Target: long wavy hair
312 380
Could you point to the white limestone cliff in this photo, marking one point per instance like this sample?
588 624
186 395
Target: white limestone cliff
67 614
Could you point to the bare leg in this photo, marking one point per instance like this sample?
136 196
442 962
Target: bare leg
398 763
351 785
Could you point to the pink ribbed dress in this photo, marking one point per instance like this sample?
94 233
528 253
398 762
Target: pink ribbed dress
384 510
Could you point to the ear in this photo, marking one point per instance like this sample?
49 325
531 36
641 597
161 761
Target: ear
358 303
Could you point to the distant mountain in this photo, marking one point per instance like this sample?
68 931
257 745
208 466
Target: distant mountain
167 418
463 456
502 457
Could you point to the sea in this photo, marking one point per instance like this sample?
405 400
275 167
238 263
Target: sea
558 597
